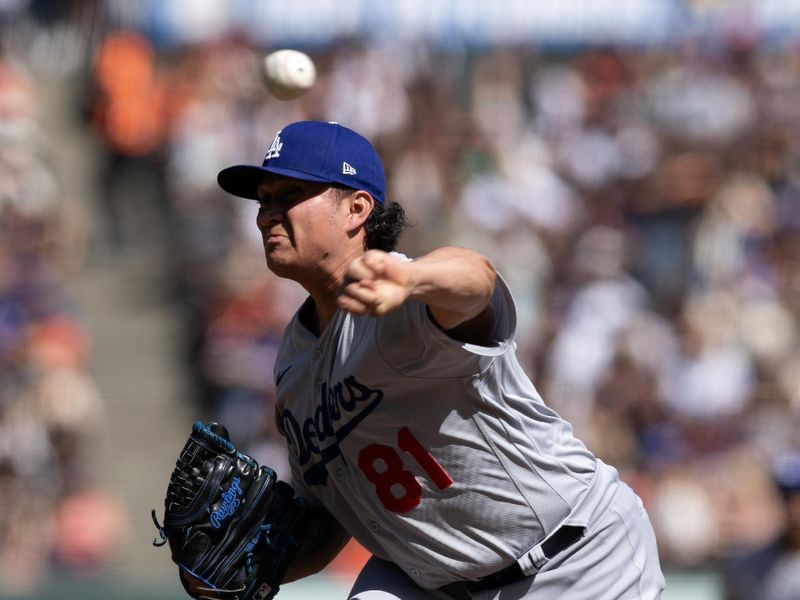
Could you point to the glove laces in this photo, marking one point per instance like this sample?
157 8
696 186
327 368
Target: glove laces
163 534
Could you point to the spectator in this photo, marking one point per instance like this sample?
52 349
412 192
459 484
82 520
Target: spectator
772 572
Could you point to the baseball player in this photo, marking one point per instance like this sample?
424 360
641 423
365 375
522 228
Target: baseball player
410 424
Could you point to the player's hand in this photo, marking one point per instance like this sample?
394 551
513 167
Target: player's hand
375 283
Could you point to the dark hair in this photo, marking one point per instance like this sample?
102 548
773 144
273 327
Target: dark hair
385 223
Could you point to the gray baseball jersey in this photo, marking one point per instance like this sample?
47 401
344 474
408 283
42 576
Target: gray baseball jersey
437 455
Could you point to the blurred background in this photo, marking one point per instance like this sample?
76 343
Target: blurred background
632 167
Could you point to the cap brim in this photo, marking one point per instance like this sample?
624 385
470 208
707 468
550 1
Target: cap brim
243 180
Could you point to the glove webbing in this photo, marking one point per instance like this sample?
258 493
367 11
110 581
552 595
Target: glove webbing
191 471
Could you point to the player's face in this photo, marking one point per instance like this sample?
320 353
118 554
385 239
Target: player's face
299 224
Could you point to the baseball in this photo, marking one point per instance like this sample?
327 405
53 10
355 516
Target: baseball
289 73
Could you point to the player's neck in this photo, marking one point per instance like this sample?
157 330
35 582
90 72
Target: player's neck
315 315
326 294
323 285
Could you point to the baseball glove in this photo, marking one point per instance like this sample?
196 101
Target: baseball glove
232 527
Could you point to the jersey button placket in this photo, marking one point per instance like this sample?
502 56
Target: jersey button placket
318 381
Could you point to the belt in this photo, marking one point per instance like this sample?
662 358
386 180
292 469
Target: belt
562 539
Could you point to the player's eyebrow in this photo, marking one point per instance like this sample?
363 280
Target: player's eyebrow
298 190
267 193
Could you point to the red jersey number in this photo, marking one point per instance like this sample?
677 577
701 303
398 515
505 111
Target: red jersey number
397 488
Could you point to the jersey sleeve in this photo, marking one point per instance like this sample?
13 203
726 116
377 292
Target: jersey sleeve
411 343
505 321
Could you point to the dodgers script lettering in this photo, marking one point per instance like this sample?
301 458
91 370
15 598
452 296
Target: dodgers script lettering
342 405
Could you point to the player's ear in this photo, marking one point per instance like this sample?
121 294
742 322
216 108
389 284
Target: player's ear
360 204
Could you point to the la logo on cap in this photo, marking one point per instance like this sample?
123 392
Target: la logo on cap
275 148
347 169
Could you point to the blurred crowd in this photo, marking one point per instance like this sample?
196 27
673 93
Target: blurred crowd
54 513
643 205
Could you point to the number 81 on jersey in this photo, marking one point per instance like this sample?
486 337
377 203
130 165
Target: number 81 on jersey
394 476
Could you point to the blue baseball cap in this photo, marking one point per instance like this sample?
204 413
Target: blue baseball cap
312 151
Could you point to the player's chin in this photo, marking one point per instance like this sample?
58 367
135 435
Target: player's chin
277 264
274 249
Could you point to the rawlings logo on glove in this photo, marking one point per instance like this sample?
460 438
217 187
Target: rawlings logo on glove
231 526
230 502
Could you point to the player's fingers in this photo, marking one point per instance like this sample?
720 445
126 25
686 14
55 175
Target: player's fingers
357 292
374 257
360 290
350 283
375 261
385 266
352 305
359 270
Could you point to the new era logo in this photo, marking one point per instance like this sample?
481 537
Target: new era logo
262 592
348 169
275 148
